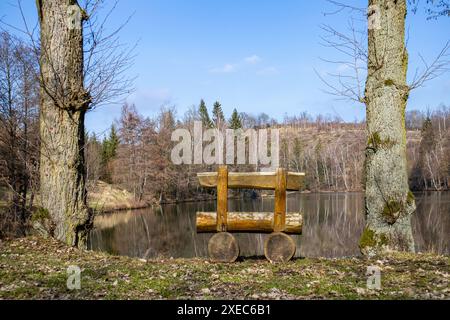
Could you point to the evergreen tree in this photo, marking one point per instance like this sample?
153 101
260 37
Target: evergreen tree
218 117
204 116
109 146
428 140
235 120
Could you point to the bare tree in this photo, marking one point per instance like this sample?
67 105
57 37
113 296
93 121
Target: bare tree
18 129
93 156
80 67
434 8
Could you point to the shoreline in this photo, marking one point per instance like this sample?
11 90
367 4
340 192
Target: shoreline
128 204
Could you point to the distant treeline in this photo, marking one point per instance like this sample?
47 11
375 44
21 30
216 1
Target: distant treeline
135 155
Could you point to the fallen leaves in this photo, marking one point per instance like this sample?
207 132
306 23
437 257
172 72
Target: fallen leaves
36 268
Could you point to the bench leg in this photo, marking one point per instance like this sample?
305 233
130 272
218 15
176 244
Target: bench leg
223 247
279 247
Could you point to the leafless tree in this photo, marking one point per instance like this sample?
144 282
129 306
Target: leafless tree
389 203
18 128
81 66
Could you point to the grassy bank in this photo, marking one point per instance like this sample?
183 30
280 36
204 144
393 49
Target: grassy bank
102 197
36 268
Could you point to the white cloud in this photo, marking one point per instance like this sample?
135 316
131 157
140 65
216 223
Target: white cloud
151 98
267 71
228 68
254 59
159 94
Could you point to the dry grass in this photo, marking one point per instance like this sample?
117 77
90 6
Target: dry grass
105 197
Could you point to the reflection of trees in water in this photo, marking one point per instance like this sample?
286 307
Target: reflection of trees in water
431 225
332 226
333 223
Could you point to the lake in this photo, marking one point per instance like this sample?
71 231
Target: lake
332 225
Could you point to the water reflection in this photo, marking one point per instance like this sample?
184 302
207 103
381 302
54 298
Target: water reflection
332 225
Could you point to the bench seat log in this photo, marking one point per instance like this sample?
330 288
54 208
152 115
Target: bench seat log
252 180
261 222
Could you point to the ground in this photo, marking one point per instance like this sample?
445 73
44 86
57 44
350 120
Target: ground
36 268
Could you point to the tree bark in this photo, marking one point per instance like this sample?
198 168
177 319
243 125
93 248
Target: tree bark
252 180
223 247
389 203
64 103
279 247
262 222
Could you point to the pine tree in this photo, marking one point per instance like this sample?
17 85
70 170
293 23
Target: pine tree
109 146
218 117
204 116
428 140
235 120
109 150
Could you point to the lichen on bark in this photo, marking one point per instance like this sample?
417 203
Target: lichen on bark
371 242
375 142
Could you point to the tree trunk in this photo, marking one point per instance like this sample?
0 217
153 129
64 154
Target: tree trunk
262 222
64 103
389 203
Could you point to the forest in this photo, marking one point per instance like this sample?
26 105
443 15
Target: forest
368 198
135 151
134 154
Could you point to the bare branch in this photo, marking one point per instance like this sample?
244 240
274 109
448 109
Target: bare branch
347 82
439 66
106 59
343 7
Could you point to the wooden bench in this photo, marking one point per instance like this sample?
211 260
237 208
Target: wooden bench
278 245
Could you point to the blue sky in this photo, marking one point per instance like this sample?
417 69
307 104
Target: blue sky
254 55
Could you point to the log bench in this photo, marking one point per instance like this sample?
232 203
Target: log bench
279 246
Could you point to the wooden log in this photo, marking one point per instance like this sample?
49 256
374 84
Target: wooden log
280 201
261 222
223 247
222 199
252 180
279 247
